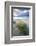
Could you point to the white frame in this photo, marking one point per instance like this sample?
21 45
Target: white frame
21 37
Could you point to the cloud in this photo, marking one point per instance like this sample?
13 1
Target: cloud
20 13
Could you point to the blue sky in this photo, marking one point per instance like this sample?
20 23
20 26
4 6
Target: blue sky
20 14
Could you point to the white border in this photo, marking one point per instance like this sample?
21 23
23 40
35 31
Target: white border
22 37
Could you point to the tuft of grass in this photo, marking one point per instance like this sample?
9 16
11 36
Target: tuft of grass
23 28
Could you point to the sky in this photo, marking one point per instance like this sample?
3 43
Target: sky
18 12
21 14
